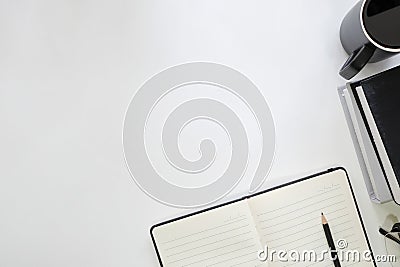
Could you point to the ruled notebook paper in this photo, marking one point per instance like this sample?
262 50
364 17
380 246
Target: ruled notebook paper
289 218
225 236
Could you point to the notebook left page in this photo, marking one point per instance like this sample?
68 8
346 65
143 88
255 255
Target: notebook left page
225 236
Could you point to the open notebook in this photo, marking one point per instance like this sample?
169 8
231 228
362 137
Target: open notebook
286 218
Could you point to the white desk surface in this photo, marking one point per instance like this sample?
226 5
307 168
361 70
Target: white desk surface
68 71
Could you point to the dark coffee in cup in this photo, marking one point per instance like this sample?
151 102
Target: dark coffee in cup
370 32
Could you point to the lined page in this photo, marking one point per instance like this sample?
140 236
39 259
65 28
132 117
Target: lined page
289 218
225 236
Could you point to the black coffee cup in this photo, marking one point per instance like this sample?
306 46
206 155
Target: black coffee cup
370 32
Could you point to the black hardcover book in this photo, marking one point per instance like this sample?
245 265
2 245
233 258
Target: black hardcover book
378 99
383 95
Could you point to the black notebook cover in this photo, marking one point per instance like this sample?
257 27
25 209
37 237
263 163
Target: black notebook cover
382 92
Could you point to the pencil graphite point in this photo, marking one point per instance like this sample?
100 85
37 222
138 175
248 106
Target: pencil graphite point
323 218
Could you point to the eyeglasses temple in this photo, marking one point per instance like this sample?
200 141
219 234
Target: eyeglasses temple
388 235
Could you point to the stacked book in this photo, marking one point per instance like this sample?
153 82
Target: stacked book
372 109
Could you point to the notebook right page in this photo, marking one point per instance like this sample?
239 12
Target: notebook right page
288 219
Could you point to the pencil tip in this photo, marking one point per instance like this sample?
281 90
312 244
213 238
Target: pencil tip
323 218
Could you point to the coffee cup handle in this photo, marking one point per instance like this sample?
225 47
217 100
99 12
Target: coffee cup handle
356 61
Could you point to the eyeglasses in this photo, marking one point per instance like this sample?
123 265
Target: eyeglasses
393 234
392 240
